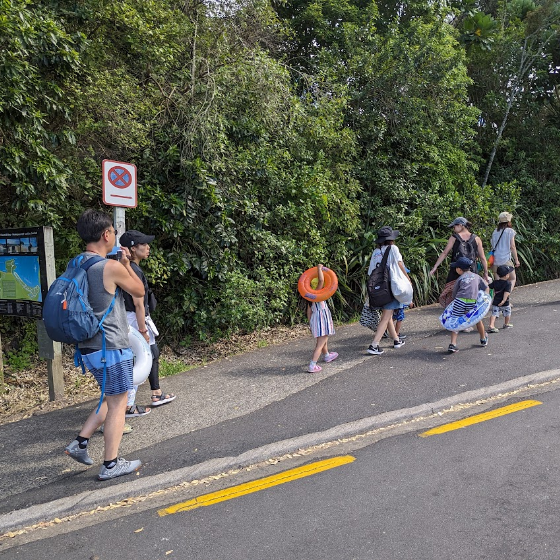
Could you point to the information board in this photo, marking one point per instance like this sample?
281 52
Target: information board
23 276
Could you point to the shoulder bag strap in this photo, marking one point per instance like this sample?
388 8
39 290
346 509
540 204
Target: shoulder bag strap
499 238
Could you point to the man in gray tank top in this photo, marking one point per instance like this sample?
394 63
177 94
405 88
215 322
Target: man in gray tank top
104 278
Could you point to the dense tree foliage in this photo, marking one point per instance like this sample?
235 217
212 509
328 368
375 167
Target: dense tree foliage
271 136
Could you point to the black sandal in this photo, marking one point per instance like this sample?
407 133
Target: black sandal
158 400
136 410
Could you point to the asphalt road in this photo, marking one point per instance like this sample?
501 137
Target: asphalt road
263 397
486 491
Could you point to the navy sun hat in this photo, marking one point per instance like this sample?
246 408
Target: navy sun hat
386 233
463 263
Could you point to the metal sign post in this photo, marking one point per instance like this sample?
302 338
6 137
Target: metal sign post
119 222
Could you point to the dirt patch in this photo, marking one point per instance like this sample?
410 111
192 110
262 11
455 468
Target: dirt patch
27 392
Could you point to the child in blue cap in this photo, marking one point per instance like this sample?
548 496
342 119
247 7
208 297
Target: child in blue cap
464 295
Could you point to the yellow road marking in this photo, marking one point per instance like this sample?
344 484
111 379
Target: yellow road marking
256 485
480 418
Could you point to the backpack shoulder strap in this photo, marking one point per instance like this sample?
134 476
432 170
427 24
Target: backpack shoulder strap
90 262
385 256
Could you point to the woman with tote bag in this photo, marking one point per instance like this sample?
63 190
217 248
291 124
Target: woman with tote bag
386 242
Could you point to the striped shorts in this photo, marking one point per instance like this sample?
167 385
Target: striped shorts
462 306
120 364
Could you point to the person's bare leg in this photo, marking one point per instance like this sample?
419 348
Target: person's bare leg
319 345
481 331
454 336
114 424
386 318
392 331
325 349
512 279
94 421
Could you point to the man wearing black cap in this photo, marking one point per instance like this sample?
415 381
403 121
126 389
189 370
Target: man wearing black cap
138 314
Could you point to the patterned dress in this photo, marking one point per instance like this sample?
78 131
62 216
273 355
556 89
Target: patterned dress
321 322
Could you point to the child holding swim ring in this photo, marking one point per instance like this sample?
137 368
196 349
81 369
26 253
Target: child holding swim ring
465 293
321 325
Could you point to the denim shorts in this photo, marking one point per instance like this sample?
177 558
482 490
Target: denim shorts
505 309
395 304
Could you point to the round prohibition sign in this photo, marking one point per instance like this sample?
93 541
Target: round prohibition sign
119 177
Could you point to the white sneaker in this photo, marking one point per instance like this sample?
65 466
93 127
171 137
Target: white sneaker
74 450
120 469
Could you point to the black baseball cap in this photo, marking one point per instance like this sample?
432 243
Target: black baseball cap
504 270
134 237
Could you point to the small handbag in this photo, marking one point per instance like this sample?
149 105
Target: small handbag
446 296
370 317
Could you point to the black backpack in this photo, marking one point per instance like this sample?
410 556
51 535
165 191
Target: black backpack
379 283
464 248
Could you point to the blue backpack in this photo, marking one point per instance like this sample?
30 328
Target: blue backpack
67 314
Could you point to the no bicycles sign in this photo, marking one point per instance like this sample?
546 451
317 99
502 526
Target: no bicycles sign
119 184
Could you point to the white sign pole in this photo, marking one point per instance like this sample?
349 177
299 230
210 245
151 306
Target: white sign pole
119 222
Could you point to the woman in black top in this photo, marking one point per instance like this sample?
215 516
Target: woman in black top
462 243
138 315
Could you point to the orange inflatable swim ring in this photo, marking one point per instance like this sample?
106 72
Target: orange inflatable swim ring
327 291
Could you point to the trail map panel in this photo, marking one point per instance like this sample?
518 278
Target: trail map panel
23 283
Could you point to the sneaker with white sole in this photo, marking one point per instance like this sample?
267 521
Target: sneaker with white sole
452 349
77 453
375 350
398 343
120 469
330 357
484 341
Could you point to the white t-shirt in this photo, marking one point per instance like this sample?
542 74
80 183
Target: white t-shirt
394 257
502 250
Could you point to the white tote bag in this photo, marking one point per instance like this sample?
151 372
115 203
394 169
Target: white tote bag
400 285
